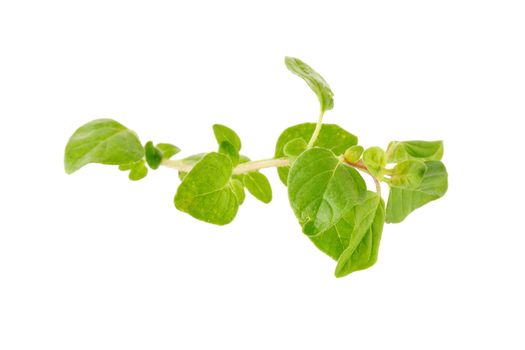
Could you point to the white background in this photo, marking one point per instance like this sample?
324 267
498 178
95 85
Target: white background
94 261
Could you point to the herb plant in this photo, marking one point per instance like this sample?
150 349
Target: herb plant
321 164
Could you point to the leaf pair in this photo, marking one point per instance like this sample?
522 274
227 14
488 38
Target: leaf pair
403 201
208 192
335 210
418 178
155 154
211 192
331 137
106 141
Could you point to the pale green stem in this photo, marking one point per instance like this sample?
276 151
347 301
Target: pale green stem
260 164
265 163
315 135
177 165
239 169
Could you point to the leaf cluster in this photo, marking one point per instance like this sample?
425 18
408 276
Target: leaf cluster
322 166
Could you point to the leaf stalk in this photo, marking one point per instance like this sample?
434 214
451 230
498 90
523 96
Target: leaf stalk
317 130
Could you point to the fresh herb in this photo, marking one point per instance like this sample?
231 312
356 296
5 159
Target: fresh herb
321 164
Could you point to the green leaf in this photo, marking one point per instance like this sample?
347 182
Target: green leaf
168 150
355 219
153 155
316 82
331 136
295 147
258 185
353 154
401 202
229 150
137 170
363 247
398 151
408 174
103 141
375 160
320 186
206 192
238 189
224 133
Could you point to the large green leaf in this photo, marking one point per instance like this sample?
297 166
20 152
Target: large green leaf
398 151
363 247
355 219
331 136
207 193
320 187
402 202
316 82
103 141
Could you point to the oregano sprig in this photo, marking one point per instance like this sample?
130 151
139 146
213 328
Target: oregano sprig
321 164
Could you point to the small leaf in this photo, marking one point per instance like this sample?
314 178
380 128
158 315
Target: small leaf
375 160
316 82
138 171
229 150
353 154
401 202
153 155
224 133
320 186
243 159
205 192
168 150
258 185
103 141
129 166
398 151
295 147
408 174
238 190
331 136
363 248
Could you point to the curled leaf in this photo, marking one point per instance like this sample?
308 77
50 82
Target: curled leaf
316 82
103 141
